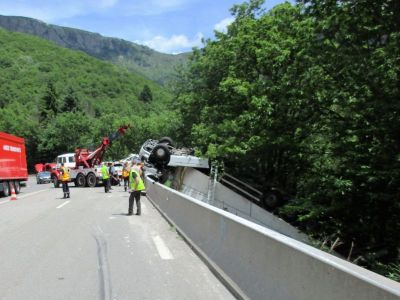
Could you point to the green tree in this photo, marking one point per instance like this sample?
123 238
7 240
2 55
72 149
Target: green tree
49 104
356 162
71 101
305 98
64 133
146 95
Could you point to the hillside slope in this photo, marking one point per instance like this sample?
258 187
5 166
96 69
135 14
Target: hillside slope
60 99
27 63
141 59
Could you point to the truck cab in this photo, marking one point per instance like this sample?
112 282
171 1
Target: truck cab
68 159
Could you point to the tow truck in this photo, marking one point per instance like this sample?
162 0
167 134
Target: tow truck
86 164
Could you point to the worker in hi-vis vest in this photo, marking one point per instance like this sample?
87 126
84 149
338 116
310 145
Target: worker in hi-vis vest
136 185
126 170
106 178
65 178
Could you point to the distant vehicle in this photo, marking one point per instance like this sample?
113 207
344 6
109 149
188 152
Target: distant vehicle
13 168
129 158
161 153
43 177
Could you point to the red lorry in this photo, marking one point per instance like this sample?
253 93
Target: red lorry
13 168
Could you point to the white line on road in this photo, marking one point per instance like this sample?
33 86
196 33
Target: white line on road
2 202
65 203
30 194
162 248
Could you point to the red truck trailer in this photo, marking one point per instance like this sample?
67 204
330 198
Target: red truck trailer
13 167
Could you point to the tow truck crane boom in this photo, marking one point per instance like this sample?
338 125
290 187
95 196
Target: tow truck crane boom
88 159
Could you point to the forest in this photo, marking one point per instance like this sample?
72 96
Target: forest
59 99
304 97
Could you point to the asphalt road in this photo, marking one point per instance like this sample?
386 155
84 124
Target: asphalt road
86 247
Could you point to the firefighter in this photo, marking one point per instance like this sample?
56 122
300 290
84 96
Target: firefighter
136 185
65 178
106 178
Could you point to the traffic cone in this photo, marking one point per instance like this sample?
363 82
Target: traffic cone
13 194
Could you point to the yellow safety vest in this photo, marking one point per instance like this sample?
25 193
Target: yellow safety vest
132 181
65 174
104 172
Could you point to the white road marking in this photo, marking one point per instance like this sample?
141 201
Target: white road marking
30 194
162 249
2 202
61 205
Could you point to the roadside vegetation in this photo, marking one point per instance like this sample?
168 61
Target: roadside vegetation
306 98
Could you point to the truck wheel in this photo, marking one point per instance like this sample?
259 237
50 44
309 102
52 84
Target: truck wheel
6 189
166 140
272 199
56 182
17 186
91 180
160 155
80 180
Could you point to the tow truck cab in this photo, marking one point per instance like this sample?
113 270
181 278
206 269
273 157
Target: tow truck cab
68 159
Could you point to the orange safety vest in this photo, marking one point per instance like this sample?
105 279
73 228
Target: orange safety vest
125 173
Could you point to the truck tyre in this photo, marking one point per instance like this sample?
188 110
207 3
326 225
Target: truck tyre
80 180
56 182
166 140
6 189
91 180
160 155
272 199
17 186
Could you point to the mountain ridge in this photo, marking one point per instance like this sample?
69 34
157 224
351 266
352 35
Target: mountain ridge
157 66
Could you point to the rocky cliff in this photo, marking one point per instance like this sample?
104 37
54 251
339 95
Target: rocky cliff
141 59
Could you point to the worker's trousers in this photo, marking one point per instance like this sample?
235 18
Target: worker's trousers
126 183
107 184
135 195
65 186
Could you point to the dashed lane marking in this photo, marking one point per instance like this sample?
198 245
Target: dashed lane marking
162 249
61 205
2 202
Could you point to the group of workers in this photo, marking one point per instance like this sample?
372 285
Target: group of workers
132 175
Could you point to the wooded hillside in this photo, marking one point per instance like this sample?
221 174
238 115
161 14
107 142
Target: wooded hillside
305 98
59 99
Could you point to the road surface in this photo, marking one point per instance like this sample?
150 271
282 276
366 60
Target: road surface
86 247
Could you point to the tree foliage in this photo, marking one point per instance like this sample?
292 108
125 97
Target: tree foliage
59 99
146 95
305 98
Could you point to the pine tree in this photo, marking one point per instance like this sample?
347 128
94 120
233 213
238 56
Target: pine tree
48 107
71 101
146 95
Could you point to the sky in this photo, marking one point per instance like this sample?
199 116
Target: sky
168 26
